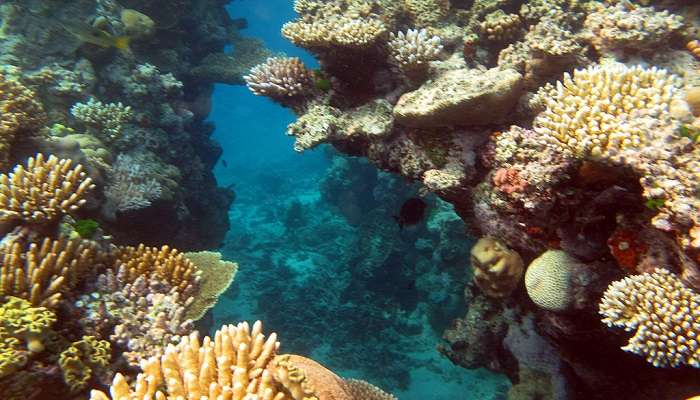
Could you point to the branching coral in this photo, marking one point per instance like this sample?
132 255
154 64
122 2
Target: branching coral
42 273
233 365
79 361
280 77
240 363
107 118
664 313
600 111
166 264
414 49
499 26
146 315
132 186
20 113
43 190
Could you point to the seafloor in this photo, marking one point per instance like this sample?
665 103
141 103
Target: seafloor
419 199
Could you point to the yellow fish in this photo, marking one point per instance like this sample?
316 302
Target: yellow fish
89 34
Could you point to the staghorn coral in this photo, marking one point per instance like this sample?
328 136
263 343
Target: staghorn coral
663 312
554 281
80 360
412 50
140 317
43 190
234 365
619 28
107 119
280 77
599 111
166 264
497 269
20 114
44 272
217 275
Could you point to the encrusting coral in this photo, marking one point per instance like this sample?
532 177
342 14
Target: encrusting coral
43 190
240 363
497 269
663 312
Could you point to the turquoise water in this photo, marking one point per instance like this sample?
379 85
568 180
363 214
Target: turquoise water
299 270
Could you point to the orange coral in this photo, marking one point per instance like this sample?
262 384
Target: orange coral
626 248
694 47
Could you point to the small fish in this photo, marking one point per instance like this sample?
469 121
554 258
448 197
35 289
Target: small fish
412 212
90 34
224 163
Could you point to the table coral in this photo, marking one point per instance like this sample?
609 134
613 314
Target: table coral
663 312
217 276
43 190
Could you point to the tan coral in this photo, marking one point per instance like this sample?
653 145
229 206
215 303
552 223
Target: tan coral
336 31
426 13
43 190
234 366
43 272
600 111
497 269
166 264
553 279
20 113
663 312
216 277
500 27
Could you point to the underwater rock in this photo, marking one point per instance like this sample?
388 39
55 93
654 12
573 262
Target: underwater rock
461 97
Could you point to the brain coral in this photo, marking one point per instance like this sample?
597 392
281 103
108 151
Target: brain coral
663 311
497 269
550 280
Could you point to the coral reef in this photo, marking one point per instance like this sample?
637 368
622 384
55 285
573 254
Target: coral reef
662 311
497 269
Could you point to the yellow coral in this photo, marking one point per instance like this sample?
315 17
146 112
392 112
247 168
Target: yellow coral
234 365
497 269
216 277
21 323
43 191
79 361
20 113
599 111
42 272
166 264
664 313
426 13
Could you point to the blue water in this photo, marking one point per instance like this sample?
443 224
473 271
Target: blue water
300 236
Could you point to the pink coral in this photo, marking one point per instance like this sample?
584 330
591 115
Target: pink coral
508 180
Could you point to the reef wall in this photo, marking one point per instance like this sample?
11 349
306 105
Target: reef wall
565 133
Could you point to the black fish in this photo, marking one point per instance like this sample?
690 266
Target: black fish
224 163
412 212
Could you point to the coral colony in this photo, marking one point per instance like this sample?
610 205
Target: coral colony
565 133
